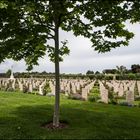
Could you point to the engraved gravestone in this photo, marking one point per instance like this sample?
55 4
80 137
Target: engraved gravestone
130 97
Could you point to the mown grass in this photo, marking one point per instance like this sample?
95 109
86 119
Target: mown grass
21 116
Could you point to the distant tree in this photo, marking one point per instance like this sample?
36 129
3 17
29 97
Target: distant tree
121 70
44 72
135 68
97 72
89 72
128 71
109 71
8 73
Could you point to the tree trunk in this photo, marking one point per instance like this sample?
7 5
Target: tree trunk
57 79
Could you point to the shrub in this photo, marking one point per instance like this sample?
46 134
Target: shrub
136 92
123 103
96 84
75 97
113 101
94 94
100 101
25 89
93 98
10 89
120 97
138 104
46 88
137 98
108 77
99 76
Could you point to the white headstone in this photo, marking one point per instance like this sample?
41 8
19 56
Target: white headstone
130 97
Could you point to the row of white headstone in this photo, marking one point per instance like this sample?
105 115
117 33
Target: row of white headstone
67 86
123 88
72 86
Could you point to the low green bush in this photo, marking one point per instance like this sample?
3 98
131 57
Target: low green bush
123 103
113 101
94 94
46 88
137 98
75 97
93 98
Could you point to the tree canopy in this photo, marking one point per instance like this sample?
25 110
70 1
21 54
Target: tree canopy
135 68
26 26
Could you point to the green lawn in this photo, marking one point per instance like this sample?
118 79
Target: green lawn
21 116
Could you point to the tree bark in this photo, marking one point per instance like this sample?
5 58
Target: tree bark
57 79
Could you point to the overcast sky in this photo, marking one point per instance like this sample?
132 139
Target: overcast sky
82 57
